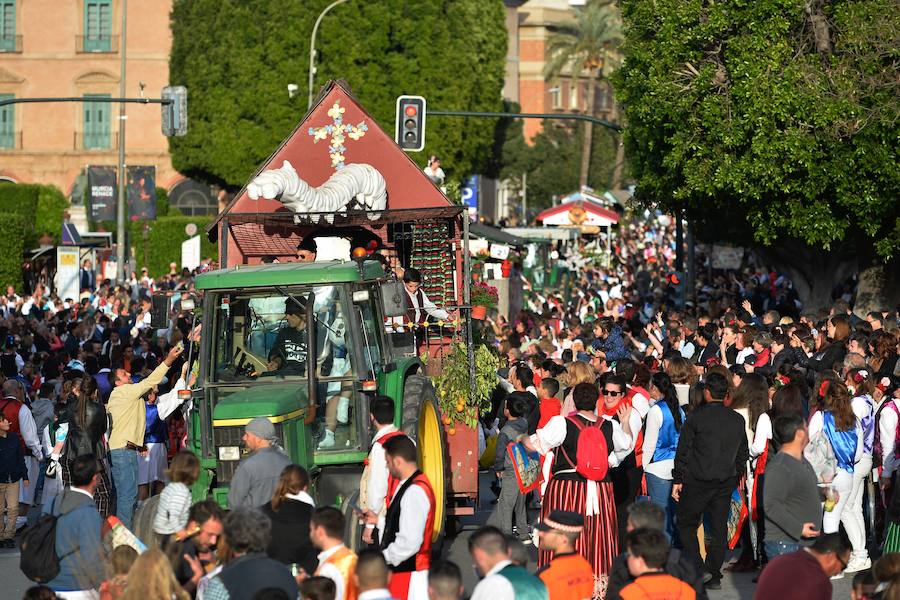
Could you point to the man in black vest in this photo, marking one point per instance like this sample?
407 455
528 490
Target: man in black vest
248 531
418 306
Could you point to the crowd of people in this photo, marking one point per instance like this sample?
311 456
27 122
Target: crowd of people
671 430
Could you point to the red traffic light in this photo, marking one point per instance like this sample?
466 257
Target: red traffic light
411 110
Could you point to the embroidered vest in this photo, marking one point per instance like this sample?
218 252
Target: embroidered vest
842 442
156 431
413 313
364 481
525 585
868 425
345 561
667 440
878 446
421 560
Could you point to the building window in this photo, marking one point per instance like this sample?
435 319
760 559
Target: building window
97 26
573 95
7 123
8 26
556 97
96 123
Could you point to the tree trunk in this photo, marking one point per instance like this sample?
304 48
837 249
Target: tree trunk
588 141
879 283
616 182
813 271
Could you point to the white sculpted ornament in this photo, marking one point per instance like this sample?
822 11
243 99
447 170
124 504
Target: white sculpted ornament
355 186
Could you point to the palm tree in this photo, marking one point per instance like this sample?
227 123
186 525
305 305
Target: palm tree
587 44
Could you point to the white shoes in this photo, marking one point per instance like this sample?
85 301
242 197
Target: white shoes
858 563
327 441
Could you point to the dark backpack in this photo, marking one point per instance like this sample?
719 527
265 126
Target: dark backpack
39 561
592 454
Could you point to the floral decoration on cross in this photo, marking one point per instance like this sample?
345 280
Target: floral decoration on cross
338 131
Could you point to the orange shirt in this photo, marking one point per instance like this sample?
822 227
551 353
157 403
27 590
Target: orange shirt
568 577
657 586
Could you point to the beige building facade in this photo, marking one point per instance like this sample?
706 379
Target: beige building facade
537 94
71 48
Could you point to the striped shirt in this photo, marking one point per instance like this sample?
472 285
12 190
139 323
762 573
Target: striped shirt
173 508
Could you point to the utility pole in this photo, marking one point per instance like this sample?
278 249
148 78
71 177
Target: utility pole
120 207
525 199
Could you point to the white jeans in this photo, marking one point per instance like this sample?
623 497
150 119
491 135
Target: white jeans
848 509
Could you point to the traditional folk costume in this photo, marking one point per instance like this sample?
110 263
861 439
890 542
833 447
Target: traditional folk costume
406 540
567 490
377 485
338 564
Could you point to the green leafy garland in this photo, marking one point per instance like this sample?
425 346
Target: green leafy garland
457 400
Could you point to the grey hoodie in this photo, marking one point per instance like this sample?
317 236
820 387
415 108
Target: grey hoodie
513 429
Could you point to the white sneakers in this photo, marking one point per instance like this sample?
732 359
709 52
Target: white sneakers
858 563
327 441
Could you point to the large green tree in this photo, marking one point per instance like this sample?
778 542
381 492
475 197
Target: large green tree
780 115
586 45
237 56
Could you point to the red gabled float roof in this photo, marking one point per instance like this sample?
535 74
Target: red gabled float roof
407 185
585 204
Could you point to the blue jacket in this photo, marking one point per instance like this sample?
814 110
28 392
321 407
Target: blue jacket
78 542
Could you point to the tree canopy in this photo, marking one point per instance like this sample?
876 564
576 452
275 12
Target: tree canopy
236 58
781 112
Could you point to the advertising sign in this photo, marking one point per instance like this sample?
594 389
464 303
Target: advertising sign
190 253
142 193
68 281
102 192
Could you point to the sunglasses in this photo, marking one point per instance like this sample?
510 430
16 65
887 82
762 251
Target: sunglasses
612 393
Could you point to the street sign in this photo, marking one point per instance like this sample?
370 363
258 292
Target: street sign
470 196
409 131
174 114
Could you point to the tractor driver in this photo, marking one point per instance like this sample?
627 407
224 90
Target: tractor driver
290 350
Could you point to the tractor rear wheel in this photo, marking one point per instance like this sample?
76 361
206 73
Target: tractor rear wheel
422 422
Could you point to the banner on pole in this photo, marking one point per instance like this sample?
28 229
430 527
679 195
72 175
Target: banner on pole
68 276
190 253
142 193
102 192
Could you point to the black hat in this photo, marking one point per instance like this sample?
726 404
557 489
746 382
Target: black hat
565 521
412 275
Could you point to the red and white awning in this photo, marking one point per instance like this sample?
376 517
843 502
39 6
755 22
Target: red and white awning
578 213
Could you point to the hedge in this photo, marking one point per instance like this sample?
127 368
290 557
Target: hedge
12 249
51 208
163 244
21 200
42 206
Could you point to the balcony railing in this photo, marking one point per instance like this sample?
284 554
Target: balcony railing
10 43
10 141
108 44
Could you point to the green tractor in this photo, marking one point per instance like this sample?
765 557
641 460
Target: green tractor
320 411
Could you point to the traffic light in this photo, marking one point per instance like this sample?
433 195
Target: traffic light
174 114
410 124
676 285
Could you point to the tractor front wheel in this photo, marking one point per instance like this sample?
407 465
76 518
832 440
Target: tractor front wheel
422 422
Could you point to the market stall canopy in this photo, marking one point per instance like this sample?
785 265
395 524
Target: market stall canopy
578 213
493 234
607 198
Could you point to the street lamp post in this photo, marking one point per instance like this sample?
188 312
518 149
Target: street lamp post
312 49
121 276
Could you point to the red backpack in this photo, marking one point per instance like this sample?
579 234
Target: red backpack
592 455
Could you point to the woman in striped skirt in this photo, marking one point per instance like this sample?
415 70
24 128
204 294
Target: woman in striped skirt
568 490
